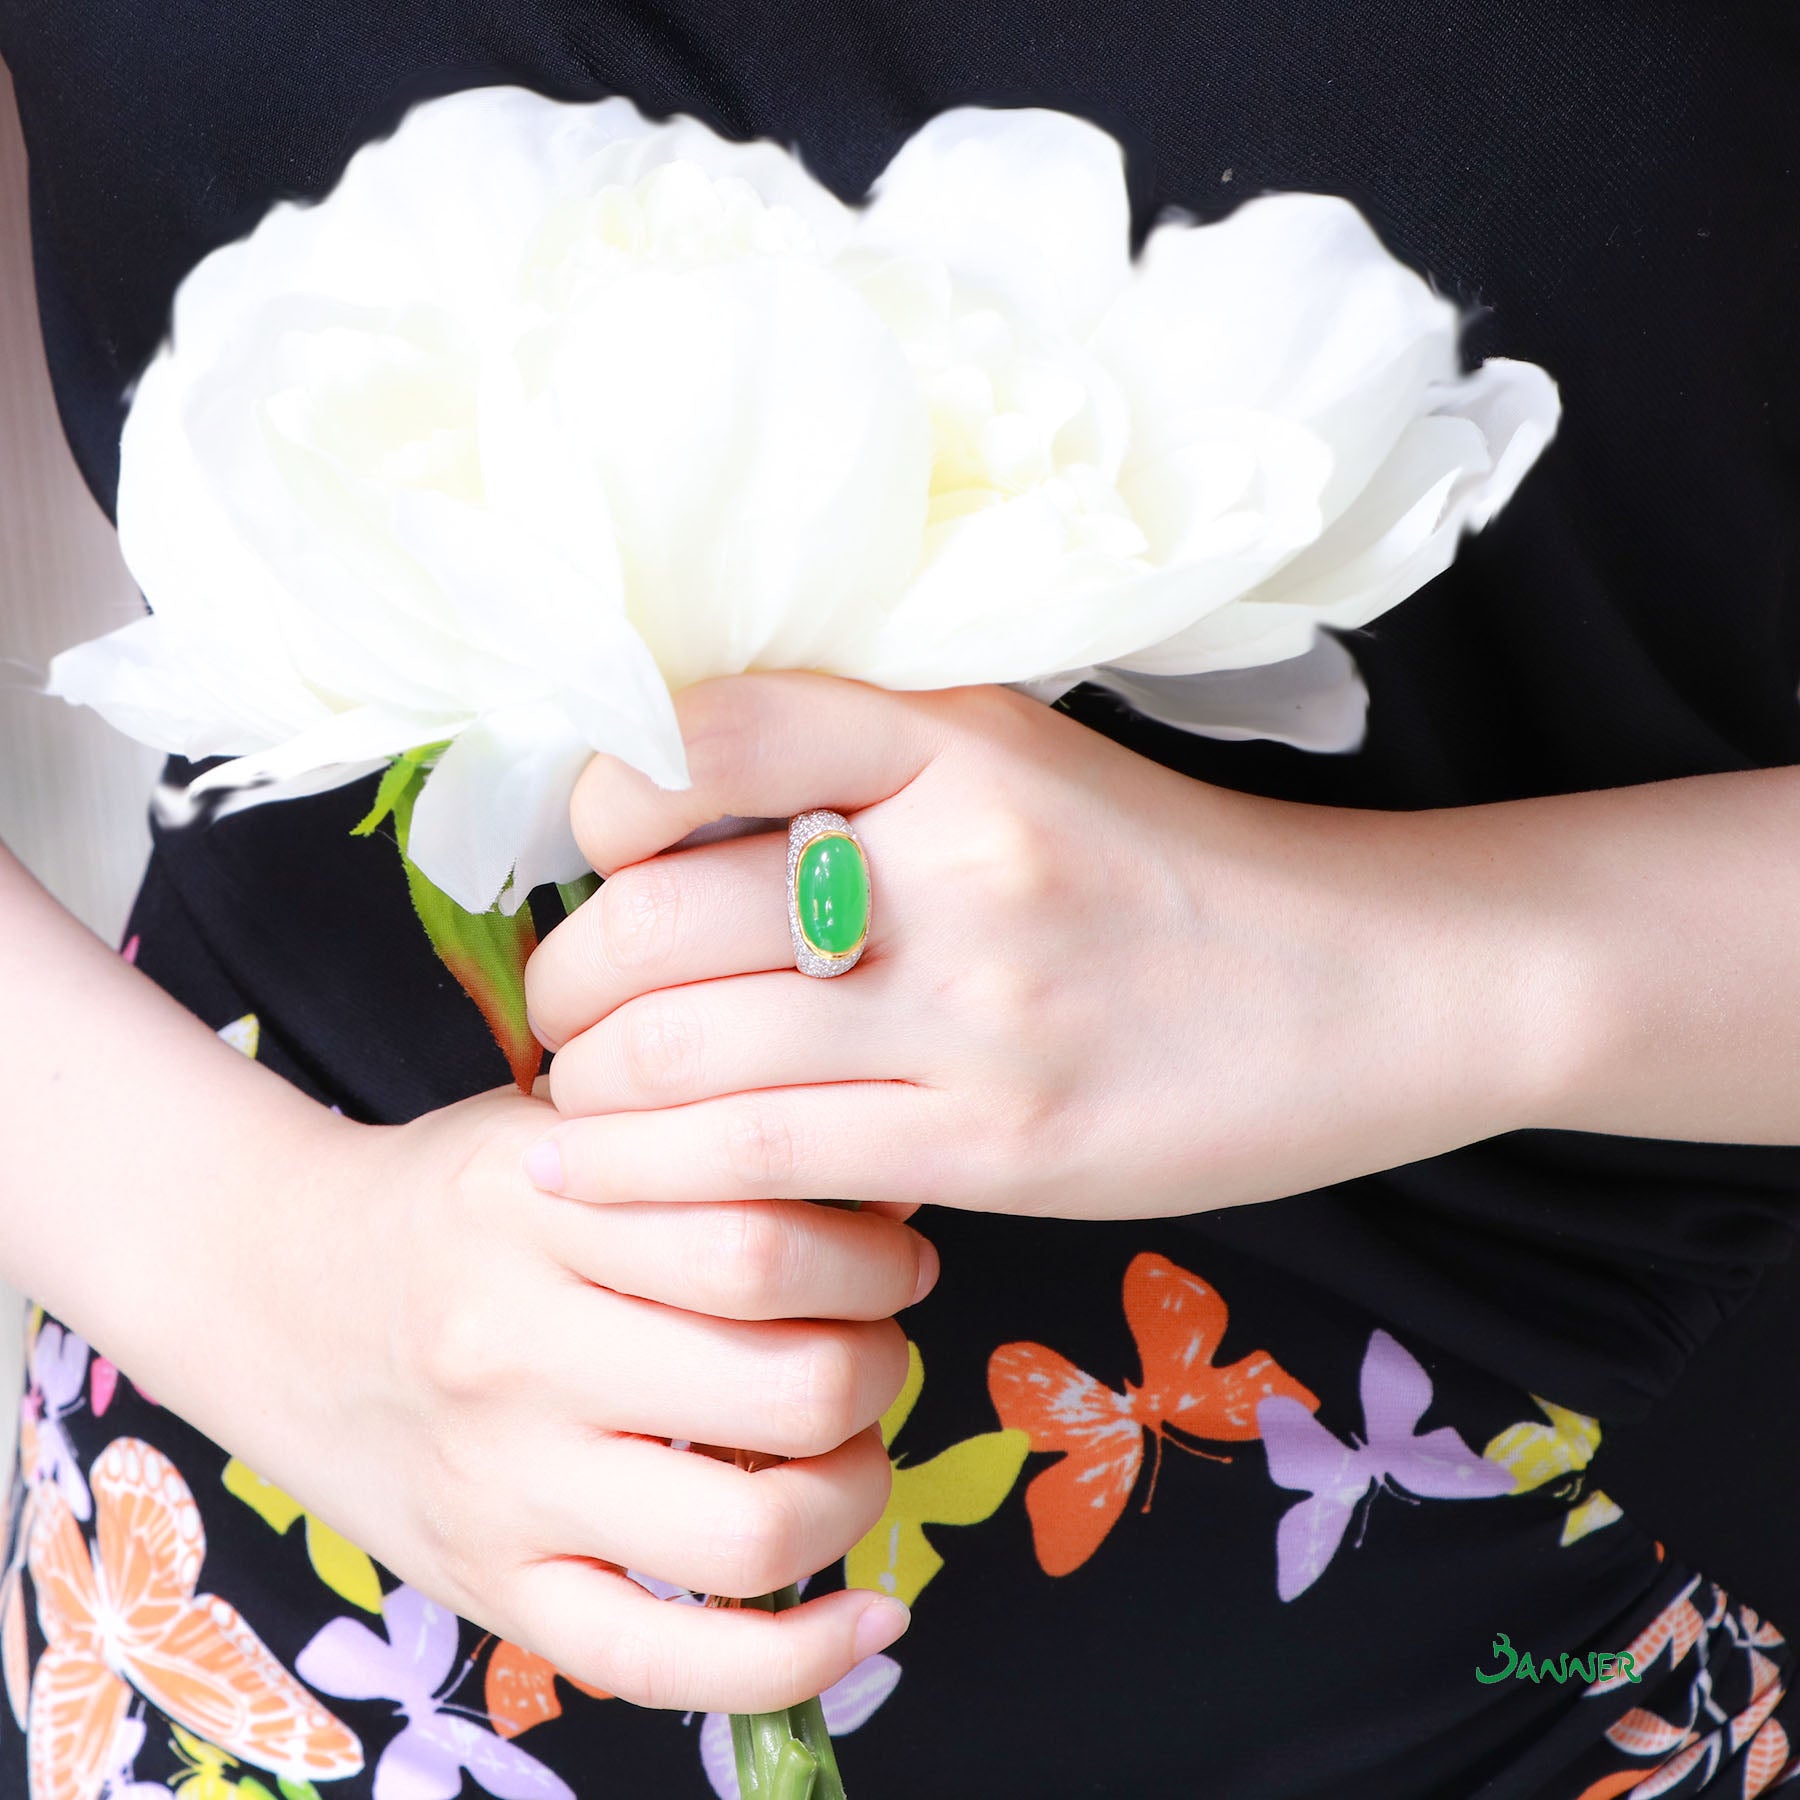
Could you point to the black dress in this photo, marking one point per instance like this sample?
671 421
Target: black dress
1609 185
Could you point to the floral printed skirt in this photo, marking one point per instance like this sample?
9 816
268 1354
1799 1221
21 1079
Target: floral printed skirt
1171 1523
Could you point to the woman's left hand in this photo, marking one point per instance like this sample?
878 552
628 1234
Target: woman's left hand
1092 987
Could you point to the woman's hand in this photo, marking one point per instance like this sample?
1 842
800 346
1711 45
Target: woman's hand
466 1376
476 1382
1093 986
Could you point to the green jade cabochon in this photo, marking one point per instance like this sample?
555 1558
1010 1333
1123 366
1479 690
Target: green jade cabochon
831 886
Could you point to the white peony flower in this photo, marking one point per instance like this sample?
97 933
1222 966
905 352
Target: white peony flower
547 411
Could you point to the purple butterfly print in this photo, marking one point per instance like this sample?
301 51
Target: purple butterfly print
59 1361
119 1782
1302 1454
411 1667
848 1704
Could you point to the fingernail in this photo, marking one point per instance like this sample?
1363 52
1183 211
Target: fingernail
543 1165
878 1625
928 1270
543 1037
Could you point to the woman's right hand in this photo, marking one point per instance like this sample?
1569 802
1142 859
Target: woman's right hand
471 1379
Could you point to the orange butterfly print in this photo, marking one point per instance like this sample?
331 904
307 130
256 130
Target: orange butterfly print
1178 1321
126 1612
521 1689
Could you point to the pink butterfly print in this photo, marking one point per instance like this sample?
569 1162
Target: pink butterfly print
103 1383
847 1703
59 1361
411 1666
1303 1454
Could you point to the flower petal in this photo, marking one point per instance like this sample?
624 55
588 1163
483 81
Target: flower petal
164 689
1315 701
349 741
1291 306
1027 208
763 451
497 804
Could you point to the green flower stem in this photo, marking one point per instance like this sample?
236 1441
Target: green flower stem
573 893
795 1773
761 1742
808 1723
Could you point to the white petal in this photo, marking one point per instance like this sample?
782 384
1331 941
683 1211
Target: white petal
763 451
1050 688
1516 407
1290 306
1010 594
497 804
216 601
176 807
1027 208
348 741
168 690
446 207
1315 701
559 636
1450 473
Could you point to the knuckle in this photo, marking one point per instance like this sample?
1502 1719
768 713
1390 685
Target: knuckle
751 1259
760 1146
756 1549
658 1050
460 1353
820 1393
637 917
1017 863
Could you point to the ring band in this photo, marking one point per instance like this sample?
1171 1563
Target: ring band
828 893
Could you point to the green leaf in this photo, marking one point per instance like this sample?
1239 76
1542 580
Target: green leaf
403 773
485 951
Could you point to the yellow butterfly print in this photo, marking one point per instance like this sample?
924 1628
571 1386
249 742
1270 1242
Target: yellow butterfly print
205 1778
1537 1453
342 1567
243 1034
961 1486
1595 1513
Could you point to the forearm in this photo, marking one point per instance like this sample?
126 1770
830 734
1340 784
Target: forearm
137 1145
1636 951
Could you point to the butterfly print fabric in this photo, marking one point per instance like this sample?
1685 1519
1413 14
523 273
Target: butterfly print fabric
1299 1497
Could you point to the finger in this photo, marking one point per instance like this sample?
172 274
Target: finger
601 1627
776 1030
747 1259
759 746
854 1140
706 1524
786 1387
688 916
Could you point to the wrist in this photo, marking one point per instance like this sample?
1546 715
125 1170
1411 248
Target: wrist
1504 960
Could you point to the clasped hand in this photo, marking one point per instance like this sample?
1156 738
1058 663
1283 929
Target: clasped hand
1093 987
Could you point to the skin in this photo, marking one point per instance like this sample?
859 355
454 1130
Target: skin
1094 988
421 1352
